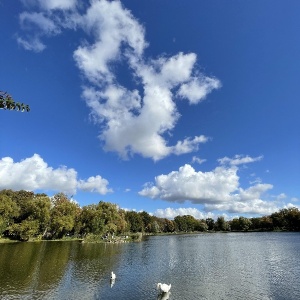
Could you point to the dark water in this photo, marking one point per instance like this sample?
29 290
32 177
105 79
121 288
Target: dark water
204 266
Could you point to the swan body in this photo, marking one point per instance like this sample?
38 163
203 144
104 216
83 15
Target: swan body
164 296
113 276
164 287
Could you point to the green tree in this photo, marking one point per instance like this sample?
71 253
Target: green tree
25 230
135 221
154 226
210 223
221 224
114 221
169 225
7 102
146 221
266 223
180 223
240 224
201 225
63 216
8 211
90 220
287 219
40 208
255 223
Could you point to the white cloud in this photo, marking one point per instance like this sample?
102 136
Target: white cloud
51 18
198 160
253 206
171 213
133 121
112 27
197 187
257 180
45 24
217 190
51 4
197 89
33 173
94 184
281 196
291 205
239 160
34 44
189 145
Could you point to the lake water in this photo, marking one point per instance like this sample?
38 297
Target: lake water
199 266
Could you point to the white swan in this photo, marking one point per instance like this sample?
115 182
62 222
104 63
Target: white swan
113 276
164 287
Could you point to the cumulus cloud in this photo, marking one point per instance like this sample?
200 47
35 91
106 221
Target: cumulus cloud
33 173
133 121
197 187
171 213
94 184
216 190
197 89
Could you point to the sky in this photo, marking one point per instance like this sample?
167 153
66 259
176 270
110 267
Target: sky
170 107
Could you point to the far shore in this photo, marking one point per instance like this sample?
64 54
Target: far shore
137 237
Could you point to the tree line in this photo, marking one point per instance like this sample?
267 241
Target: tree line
25 215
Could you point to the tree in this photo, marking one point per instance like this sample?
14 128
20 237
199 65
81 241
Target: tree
201 225
63 216
266 223
90 220
221 224
114 218
8 211
287 219
169 225
210 223
240 224
135 221
7 102
24 230
180 223
40 208
146 220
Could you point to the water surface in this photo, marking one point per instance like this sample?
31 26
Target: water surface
199 266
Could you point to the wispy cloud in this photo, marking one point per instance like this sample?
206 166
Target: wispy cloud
198 160
51 4
134 121
33 173
239 160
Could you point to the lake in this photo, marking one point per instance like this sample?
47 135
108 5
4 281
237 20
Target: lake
199 266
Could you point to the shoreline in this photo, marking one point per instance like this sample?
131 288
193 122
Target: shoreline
133 237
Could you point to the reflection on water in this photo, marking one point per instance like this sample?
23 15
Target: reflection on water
204 266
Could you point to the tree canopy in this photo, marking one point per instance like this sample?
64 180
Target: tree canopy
7 102
25 215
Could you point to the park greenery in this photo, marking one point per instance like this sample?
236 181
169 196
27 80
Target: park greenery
27 216
7 102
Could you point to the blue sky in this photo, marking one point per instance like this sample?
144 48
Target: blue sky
172 107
